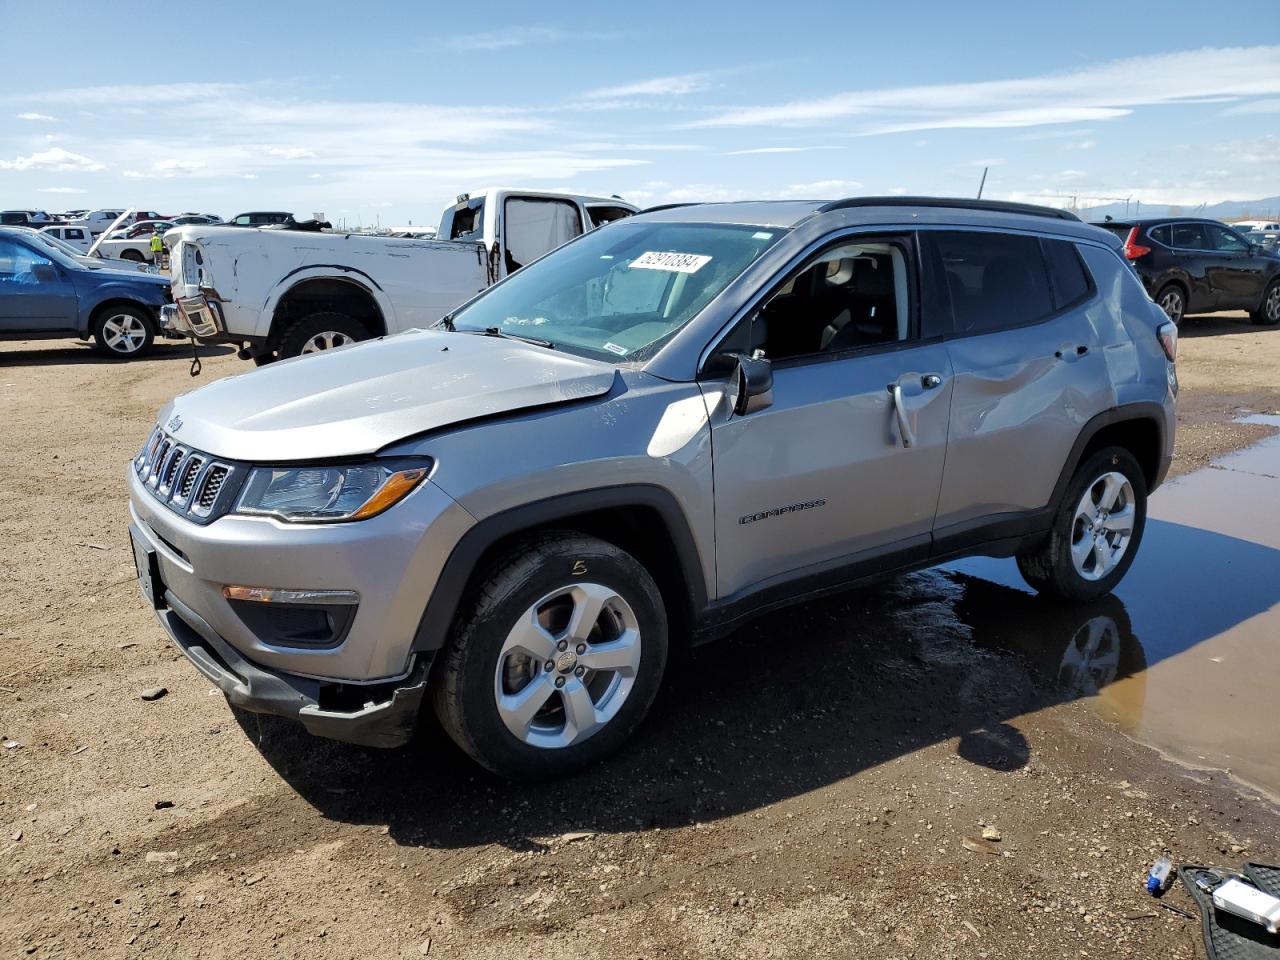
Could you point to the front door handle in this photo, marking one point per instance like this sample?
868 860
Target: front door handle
930 381
904 423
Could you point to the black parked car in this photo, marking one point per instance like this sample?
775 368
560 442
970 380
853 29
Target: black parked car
1198 266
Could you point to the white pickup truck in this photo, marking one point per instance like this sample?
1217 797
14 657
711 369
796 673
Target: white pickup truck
282 293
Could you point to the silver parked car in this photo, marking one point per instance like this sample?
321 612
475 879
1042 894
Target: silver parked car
697 414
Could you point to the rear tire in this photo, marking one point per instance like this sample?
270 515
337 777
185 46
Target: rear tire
1096 530
1268 315
133 255
1172 301
555 660
319 332
123 332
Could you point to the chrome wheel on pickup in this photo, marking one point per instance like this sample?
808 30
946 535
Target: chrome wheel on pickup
320 332
557 659
325 340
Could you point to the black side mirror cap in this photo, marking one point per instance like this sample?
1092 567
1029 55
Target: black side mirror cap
751 382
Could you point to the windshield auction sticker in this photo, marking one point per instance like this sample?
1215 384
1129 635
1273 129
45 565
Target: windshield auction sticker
674 262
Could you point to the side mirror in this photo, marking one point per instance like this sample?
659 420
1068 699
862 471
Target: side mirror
750 383
45 272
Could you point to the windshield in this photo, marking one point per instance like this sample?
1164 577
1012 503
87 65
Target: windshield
57 243
620 292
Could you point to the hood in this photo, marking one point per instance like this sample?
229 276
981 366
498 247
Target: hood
357 400
109 271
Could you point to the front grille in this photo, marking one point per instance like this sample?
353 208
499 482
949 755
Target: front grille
212 485
187 481
194 463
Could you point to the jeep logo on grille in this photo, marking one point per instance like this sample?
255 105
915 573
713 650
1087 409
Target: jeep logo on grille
174 424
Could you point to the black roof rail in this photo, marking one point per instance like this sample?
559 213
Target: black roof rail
999 206
668 206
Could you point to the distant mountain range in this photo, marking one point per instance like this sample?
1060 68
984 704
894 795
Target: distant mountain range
1268 208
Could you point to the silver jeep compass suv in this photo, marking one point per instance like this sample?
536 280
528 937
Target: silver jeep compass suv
667 425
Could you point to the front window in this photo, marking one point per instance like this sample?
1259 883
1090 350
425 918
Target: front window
18 265
619 294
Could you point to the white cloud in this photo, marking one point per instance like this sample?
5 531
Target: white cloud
290 153
677 85
31 115
517 37
165 169
1100 92
55 158
660 191
754 150
120 94
61 190
172 166
819 190
1257 106
1081 145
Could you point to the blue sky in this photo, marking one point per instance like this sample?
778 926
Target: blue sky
388 110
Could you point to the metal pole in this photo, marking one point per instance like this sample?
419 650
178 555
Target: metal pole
982 183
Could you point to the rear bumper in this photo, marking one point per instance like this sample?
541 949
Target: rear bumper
387 718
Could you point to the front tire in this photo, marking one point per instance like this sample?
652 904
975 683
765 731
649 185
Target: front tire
1095 532
1268 314
556 659
1173 302
320 332
123 332
132 255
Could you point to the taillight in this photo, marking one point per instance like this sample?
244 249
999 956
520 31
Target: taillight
1168 334
1132 249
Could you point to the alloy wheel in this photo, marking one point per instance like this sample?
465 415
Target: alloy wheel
1271 309
1103 526
326 340
1172 304
567 665
123 333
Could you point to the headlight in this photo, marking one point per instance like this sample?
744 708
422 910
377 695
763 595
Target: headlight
328 494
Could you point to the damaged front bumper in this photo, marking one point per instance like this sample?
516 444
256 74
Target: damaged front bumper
382 715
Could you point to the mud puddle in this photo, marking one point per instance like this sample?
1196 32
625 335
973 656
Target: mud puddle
1185 656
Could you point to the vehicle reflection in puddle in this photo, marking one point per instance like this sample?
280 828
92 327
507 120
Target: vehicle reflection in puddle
1184 656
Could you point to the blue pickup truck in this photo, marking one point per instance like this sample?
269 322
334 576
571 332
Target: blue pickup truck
45 294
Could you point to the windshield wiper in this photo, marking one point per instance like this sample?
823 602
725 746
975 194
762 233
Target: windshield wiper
447 323
495 332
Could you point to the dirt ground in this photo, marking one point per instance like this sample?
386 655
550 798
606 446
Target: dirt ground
815 786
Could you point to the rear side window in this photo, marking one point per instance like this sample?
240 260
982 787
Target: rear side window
1189 236
1066 272
996 281
1162 234
601 215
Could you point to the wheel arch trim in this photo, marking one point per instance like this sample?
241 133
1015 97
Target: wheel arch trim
296 278
1143 410
447 595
